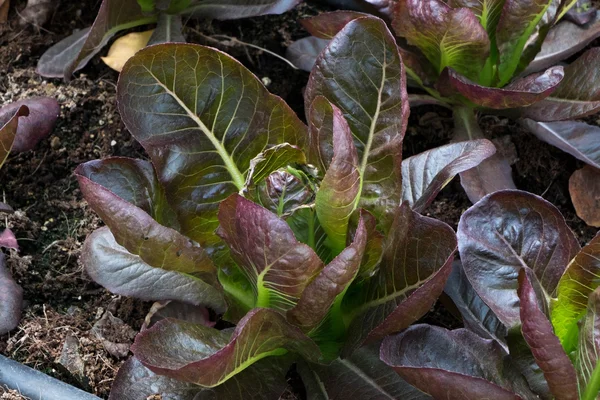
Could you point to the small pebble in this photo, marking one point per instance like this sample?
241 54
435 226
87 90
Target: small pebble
113 143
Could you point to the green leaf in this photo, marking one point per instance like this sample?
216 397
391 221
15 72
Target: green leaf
417 260
332 281
361 73
448 37
272 159
282 192
581 278
518 22
586 361
264 247
208 357
203 118
487 11
545 346
339 192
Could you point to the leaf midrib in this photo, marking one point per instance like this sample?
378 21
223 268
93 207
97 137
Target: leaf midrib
238 177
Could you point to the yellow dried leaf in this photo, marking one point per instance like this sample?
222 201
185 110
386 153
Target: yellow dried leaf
125 47
4 6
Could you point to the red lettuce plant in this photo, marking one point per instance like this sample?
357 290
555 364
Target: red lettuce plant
493 56
75 51
309 239
528 295
22 124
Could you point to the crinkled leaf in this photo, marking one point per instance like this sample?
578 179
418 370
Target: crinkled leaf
518 22
580 279
177 310
202 117
584 188
373 248
74 52
327 25
8 132
520 93
272 159
361 73
476 315
282 192
303 53
236 9
43 113
448 37
504 232
208 357
426 174
586 361
11 299
564 40
263 380
308 230
362 376
340 188
417 260
333 280
578 95
264 246
576 138
453 364
493 173
126 274
168 30
545 346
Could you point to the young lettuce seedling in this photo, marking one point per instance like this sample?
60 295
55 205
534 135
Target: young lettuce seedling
74 52
529 297
304 237
496 56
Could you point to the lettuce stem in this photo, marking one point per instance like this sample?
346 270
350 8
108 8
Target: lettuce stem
593 387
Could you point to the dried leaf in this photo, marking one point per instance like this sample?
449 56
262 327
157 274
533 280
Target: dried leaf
125 47
584 187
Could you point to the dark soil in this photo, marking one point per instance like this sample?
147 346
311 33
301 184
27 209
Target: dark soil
52 219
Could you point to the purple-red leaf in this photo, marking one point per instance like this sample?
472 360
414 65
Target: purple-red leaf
493 173
426 174
579 139
303 53
8 132
370 89
124 273
545 346
361 376
236 9
476 315
453 365
264 380
8 239
584 188
208 357
43 112
522 92
578 95
320 294
74 52
506 231
416 261
11 298
564 40
327 25
265 247
586 361
448 37
203 118
339 192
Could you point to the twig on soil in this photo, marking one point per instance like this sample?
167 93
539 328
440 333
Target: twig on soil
232 42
